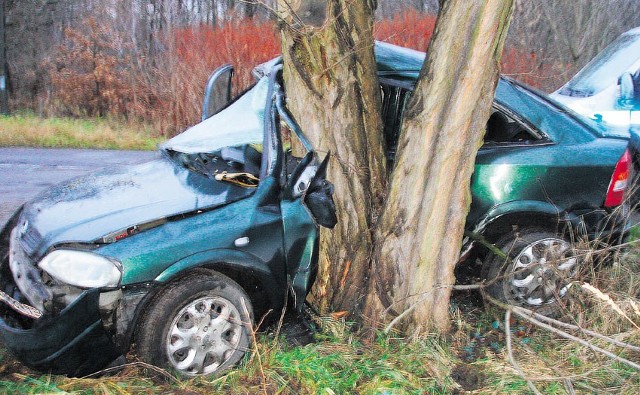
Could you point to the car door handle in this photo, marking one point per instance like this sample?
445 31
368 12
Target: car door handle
241 242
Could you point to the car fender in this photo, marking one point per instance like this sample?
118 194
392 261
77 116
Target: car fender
527 210
224 260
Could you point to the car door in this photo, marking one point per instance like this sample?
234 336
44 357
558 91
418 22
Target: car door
306 204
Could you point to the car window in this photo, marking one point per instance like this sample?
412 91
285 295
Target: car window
394 99
503 129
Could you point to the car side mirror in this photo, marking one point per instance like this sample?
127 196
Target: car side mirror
217 93
627 89
319 197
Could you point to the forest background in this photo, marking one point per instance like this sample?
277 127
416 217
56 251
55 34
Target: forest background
147 60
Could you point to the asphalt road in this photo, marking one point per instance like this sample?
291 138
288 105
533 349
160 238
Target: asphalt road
24 172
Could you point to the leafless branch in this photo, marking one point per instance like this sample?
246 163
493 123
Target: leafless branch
507 331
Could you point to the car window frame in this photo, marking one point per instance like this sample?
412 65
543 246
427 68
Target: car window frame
542 138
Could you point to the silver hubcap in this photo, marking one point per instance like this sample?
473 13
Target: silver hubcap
204 335
539 272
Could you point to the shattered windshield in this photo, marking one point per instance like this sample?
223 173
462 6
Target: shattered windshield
240 124
605 69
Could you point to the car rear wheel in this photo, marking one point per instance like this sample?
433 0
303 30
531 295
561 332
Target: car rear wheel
199 325
534 270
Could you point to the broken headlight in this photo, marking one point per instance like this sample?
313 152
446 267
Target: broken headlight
82 269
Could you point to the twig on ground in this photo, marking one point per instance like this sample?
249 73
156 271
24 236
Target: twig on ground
132 364
507 331
263 379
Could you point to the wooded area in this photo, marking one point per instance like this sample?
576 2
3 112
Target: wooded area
144 59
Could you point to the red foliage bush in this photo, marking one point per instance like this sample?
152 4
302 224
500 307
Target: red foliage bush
534 70
191 55
95 72
89 75
410 29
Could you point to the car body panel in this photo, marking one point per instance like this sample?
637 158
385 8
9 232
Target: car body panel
302 252
62 344
146 255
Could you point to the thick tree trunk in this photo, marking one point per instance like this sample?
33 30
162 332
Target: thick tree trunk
330 77
418 240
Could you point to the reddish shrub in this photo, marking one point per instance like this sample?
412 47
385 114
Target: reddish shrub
534 70
408 29
191 54
95 73
89 74
413 30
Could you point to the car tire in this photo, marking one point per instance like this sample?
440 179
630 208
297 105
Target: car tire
199 325
534 270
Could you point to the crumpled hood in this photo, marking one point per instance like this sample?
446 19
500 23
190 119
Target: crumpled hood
89 207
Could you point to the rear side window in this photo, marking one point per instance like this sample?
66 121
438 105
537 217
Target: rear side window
503 129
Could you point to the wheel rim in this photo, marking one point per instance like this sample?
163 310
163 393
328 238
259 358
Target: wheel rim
204 335
539 273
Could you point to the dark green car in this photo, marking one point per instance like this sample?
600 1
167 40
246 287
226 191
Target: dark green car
177 256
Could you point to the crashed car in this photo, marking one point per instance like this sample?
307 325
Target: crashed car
178 255
544 178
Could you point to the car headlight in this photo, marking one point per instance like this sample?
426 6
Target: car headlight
82 269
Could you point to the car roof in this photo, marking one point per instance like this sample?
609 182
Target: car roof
402 66
398 62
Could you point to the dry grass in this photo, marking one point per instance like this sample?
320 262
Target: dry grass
472 359
31 131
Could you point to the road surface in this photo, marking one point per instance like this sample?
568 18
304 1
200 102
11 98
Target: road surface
24 172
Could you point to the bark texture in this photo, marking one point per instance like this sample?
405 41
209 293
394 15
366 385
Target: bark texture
333 93
418 240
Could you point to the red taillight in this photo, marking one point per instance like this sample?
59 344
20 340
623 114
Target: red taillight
619 181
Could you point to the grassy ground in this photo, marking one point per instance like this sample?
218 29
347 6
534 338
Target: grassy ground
470 359
28 130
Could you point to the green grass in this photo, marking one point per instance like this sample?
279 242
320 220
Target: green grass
472 357
28 130
386 365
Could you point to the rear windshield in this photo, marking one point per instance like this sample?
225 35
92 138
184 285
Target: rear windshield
605 69
547 116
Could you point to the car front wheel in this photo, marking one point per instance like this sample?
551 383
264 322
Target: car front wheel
533 271
199 325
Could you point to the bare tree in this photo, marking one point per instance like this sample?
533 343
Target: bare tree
562 36
330 69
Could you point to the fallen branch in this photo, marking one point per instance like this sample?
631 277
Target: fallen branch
507 331
528 316
578 328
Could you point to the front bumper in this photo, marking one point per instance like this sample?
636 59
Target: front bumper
73 342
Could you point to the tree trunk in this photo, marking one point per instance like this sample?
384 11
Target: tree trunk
330 75
418 240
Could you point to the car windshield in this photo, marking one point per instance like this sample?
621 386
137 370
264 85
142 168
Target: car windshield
605 69
240 124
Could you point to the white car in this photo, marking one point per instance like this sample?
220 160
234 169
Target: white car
607 89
